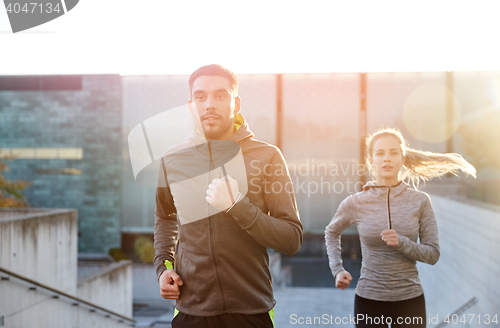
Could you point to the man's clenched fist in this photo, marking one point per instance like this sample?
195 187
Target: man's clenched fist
218 193
169 284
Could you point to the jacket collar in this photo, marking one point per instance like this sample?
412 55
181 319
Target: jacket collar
382 190
221 148
242 132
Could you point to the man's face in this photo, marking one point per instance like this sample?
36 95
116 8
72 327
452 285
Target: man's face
212 99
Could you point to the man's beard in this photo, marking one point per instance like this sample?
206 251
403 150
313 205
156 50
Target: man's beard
217 132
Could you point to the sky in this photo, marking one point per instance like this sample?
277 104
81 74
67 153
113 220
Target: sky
176 37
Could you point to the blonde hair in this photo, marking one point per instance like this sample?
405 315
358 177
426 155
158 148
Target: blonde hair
418 165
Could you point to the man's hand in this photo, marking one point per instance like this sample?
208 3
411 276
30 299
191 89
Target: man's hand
218 193
343 279
169 284
390 237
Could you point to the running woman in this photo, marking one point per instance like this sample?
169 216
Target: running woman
391 217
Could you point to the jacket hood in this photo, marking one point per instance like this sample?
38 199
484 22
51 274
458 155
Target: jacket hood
382 190
198 143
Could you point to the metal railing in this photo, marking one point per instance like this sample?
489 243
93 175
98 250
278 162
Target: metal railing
57 294
458 311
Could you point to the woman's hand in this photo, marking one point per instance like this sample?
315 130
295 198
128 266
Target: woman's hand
390 237
343 279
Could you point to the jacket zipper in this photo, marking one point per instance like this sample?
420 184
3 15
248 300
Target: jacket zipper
212 233
389 207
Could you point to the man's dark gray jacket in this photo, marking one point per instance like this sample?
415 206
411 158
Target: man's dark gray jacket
222 257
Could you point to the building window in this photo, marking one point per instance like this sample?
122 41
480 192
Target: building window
43 153
69 171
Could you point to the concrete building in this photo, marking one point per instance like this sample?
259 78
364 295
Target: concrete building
462 289
41 284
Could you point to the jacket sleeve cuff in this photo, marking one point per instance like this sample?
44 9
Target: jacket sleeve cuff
240 196
244 212
159 272
403 242
338 269
167 265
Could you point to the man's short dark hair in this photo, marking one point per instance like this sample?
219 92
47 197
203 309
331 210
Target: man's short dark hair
215 70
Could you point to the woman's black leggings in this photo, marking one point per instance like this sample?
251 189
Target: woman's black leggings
407 313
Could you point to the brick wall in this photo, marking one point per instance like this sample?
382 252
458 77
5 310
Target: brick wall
88 118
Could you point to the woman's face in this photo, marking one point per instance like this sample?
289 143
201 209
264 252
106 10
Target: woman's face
386 158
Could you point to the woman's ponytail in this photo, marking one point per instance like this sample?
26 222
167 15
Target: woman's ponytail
419 165
422 165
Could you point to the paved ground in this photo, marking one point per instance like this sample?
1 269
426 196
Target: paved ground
153 313
296 307
299 306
